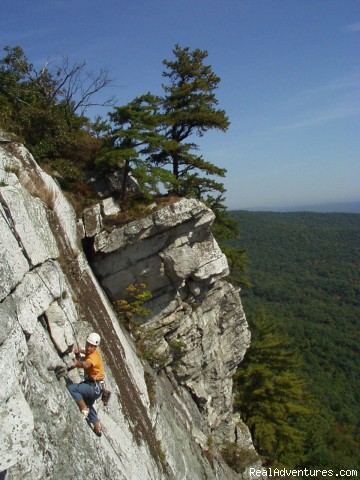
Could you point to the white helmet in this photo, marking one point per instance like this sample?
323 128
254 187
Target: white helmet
93 339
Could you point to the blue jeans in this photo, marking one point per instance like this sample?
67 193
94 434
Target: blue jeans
89 392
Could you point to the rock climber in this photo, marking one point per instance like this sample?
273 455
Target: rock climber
86 392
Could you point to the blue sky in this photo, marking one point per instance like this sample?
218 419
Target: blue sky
289 69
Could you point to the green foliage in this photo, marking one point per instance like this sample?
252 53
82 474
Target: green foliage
238 458
149 348
177 350
154 131
189 108
162 455
151 133
152 179
135 133
190 102
271 394
41 106
304 268
131 311
226 229
130 308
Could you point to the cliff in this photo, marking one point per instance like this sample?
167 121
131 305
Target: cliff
59 279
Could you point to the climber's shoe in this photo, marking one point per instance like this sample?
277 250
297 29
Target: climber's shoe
97 429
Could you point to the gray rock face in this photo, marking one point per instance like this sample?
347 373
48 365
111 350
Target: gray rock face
174 253
157 425
165 250
13 263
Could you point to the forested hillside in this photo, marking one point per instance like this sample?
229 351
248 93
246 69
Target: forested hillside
304 268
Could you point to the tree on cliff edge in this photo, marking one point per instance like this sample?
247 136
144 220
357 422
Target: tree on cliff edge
188 108
136 134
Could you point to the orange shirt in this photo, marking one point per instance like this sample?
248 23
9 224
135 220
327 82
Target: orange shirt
96 370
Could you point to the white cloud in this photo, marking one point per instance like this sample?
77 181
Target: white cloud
324 116
353 27
334 100
342 86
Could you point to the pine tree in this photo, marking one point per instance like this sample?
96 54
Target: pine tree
153 132
271 395
190 108
135 135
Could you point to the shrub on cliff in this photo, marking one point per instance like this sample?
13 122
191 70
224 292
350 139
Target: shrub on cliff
46 106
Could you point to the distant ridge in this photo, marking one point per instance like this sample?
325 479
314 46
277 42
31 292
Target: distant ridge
342 207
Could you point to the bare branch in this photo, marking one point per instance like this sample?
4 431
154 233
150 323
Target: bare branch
91 85
68 83
76 88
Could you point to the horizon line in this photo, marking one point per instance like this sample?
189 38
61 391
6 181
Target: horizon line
350 206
